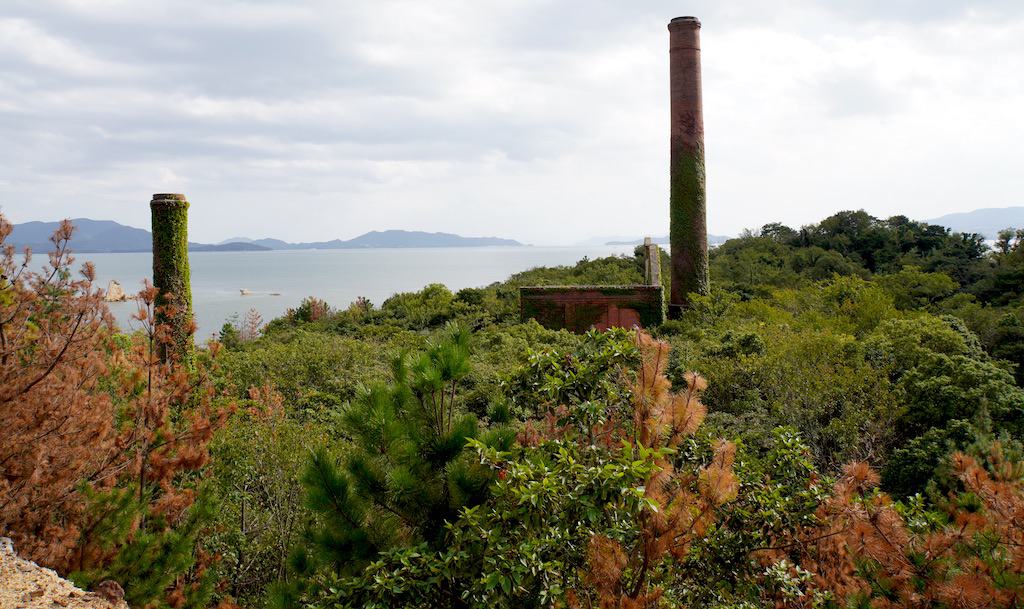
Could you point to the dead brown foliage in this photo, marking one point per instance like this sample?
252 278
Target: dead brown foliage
866 551
682 502
82 414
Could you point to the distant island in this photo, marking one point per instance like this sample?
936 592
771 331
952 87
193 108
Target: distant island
107 236
103 236
387 238
988 221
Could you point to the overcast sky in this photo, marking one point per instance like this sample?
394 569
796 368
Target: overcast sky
540 120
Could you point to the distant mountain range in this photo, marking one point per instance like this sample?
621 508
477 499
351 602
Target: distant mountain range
99 236
988 221
109 236
712 240
387 238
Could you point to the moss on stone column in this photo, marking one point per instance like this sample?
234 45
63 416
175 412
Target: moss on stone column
171 274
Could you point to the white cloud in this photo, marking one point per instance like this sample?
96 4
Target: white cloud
21 39
538 120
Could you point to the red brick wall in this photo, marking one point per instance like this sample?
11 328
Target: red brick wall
579 308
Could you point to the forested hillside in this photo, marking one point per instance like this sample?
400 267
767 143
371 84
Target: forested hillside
837 424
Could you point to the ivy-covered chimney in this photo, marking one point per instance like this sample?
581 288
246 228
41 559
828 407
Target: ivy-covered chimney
688 198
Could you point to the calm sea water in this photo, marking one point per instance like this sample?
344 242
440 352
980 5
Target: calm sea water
337 276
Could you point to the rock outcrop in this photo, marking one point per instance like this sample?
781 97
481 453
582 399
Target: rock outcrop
26 585
115 293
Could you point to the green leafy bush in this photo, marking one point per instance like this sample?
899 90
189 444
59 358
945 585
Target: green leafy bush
406 472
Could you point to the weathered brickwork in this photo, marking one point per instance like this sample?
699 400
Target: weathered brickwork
580 308
688 196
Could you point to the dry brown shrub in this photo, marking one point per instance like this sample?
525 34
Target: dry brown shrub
866 550
82 413
683 502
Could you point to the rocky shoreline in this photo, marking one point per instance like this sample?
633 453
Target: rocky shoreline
26 585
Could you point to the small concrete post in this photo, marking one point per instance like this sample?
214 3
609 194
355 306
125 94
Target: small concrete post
652 262
688 197
171 274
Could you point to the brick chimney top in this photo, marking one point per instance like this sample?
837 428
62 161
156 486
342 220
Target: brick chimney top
684 22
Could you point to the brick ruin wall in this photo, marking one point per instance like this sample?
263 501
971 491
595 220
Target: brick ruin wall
580 308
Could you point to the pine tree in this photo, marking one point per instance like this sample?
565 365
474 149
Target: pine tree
144 531
870 551
408 470
680 505
599 513
101 442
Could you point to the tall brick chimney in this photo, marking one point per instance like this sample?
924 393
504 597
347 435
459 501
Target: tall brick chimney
688 198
